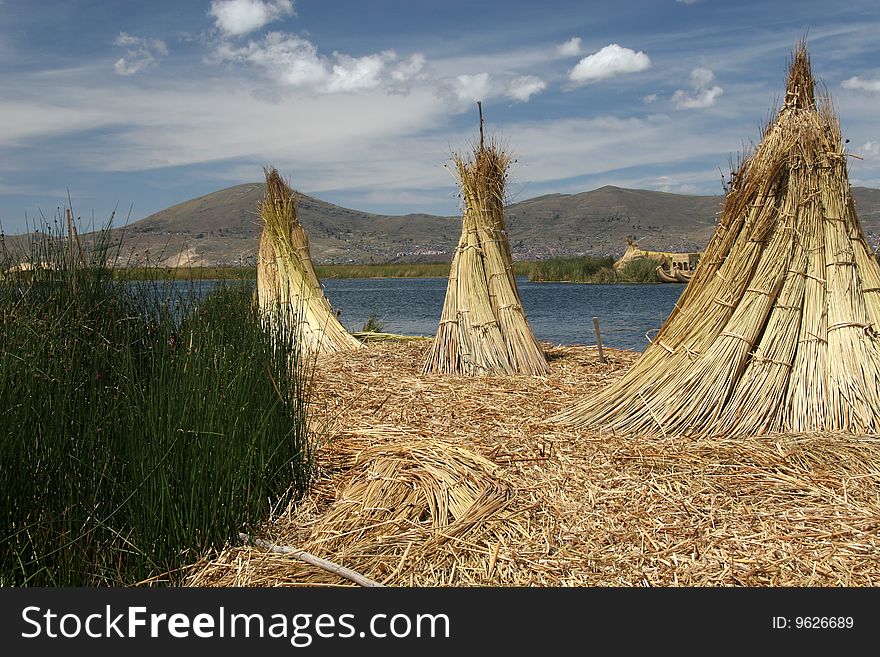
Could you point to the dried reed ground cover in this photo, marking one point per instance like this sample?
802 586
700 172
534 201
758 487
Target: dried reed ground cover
556 506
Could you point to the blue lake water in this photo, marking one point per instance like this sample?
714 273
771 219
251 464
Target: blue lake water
560 313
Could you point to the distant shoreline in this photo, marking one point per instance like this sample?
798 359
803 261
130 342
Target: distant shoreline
580 270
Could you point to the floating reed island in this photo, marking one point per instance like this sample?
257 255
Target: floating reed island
483 328
777 330
289 293
459 481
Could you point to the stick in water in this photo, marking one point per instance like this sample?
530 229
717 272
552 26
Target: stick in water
598 340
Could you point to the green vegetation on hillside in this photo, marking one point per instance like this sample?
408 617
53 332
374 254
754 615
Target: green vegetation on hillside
140 430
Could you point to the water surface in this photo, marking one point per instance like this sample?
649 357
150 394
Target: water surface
561 313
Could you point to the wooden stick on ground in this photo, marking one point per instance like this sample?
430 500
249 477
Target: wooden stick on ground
302 555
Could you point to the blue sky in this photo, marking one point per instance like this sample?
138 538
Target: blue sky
140 105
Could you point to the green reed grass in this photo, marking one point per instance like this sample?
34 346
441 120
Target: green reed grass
373 325
188 273
639 270
141 427
576 270
591 269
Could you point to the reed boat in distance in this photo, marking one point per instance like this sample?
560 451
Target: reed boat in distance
664 277
678 267
674 275
672 267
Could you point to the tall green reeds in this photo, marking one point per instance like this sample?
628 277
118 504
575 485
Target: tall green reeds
639 270
592 269
141 426
583 269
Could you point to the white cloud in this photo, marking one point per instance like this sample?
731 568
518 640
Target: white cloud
289 59
523 87
672 185
461 91
563 149
650 98
409 68
471 88
701 95
687 2
180 123
570 48
701 77
295 62
240 17
140 53
870 150
356 73
858 84
608 62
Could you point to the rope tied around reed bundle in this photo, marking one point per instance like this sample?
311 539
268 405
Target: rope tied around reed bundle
737 336
813 337
726 304
671 350
840 325
772 361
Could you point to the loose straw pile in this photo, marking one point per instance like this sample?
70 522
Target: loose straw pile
288 291
777 330
483 328
406 505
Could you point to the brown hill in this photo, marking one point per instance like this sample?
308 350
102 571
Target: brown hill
222 228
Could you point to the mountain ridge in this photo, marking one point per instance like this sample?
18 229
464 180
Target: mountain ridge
222 228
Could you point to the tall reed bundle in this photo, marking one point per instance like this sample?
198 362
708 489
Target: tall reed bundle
777 330
483 328
288 290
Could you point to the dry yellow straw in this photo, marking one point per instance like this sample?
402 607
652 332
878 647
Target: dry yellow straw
483 328
777 330
288 291
564 507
